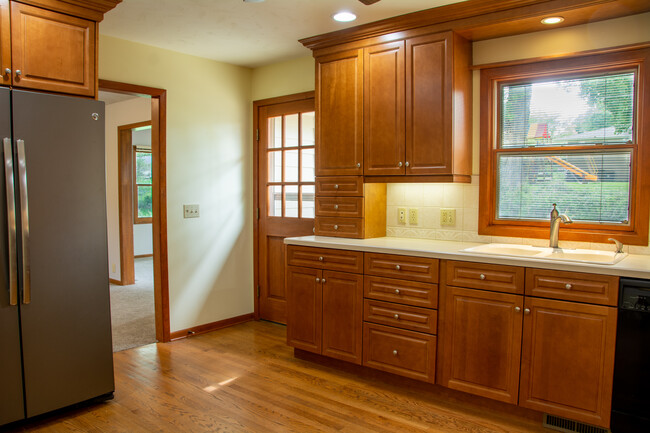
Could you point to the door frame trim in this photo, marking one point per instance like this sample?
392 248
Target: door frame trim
159 156
257 105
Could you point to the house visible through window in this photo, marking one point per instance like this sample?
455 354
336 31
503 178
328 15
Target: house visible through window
565 135
142 184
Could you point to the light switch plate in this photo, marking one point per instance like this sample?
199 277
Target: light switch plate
190 211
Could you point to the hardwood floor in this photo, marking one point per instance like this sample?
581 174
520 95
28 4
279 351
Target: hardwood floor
245 379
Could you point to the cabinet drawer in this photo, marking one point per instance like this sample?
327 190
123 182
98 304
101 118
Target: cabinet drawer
403 267
339 227
406 353
572 286
498 278
325 258
400 291
339 207
400 316
345 186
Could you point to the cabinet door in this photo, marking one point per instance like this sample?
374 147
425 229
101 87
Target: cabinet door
428 106
481 334
383 109
304 308
5 43
342 315
52 51
339 114
568 359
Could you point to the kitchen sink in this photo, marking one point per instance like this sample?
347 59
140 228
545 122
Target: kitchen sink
560 254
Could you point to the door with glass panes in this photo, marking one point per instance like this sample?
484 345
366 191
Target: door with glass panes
286 194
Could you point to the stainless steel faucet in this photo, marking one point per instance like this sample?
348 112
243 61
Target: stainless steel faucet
556 218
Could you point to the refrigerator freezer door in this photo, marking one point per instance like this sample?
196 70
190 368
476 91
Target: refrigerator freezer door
11 378
67 349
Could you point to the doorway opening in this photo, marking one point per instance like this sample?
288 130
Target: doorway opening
137 202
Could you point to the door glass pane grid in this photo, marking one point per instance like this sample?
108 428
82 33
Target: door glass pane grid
291 165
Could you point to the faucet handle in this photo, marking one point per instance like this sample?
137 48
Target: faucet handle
619 245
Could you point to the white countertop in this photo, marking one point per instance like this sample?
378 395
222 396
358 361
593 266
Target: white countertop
634 265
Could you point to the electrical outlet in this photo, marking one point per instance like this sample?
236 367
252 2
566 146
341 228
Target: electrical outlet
190 211
413 216
401 215
447 217
113 268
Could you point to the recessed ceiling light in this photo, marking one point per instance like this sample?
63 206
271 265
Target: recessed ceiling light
552 20
253 1
344 17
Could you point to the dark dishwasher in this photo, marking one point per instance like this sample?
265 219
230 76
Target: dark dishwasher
631 394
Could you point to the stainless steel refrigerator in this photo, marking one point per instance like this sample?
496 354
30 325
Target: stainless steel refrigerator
55 335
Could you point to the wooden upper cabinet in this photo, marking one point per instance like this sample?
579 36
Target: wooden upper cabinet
438 105
339 114
5 43
383 113
52 51
567 361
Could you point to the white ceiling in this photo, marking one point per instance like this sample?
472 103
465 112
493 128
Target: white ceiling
240 33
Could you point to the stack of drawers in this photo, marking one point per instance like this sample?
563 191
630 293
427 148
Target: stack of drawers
346 207
400 315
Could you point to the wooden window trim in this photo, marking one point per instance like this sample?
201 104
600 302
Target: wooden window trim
136 218
636 233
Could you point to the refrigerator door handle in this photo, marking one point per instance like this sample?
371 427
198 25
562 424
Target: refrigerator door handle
24 217
11 221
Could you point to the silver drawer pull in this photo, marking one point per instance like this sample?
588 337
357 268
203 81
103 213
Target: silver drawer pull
517 309
399 164
320 259
336 186
358 164
336 207
398 267
317 280
323 280
397 291
408 163
568 286
395 352
482 276
336 227
526 311
396 316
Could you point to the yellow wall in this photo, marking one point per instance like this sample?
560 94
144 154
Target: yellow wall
209 162
284 78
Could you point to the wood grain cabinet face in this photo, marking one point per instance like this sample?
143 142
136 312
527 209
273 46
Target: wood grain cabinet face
400 316
52 51
481 345
499 278
304 308
342 316
384 112
407 353
345 186
5 43
568 359
572 286
401 292
339 111
351 207
325 258
421 269
339 226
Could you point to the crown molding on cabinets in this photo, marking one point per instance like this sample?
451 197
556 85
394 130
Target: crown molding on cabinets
89 9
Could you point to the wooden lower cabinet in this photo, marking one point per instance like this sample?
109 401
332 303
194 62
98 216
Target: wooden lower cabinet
325 312
481 342
568 359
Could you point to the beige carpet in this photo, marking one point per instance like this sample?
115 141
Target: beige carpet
132 309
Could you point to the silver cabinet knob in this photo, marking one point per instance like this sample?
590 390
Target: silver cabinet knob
317 280
397 291
395 352
517 309
482 276
336 227
323 280
358 164
568 286
336 207
408 163
336 186
526 311
320 259
19 72
399 164
396 316
7 71
398 267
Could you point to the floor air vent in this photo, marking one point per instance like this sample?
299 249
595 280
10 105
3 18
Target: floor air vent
569 426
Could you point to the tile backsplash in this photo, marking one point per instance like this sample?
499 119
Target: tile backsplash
429 198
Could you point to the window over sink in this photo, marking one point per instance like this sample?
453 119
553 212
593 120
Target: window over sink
570 132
